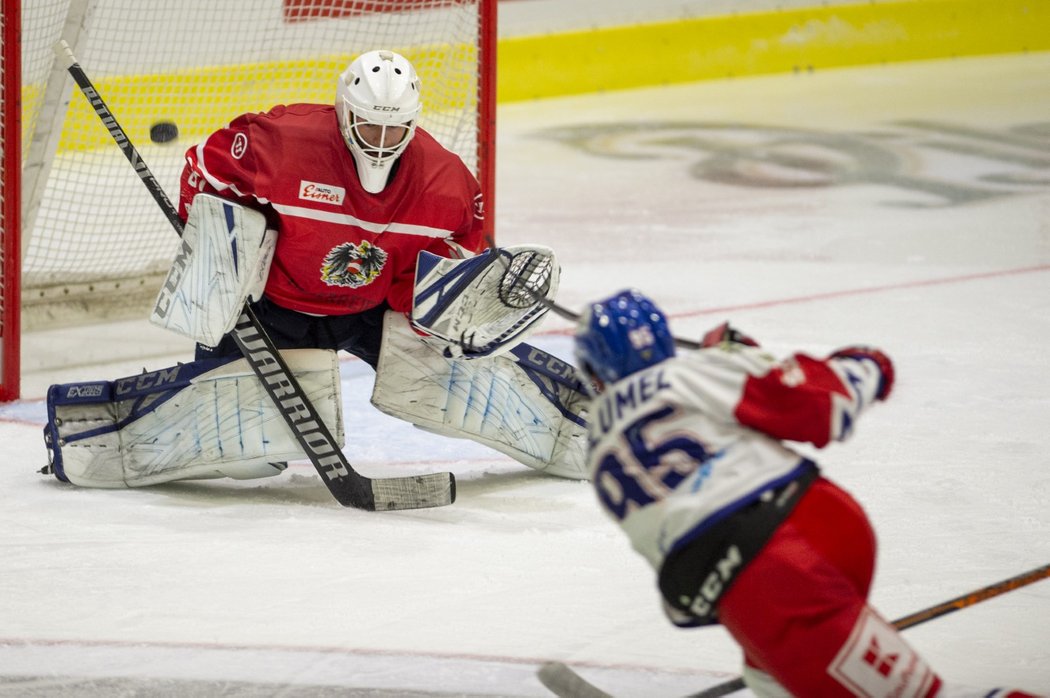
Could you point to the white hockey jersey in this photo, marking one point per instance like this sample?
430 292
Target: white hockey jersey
678 447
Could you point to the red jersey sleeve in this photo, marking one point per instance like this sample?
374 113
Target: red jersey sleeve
807 399
222 165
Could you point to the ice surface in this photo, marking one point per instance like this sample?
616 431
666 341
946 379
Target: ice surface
906 206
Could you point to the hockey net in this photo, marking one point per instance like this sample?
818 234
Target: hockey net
95 245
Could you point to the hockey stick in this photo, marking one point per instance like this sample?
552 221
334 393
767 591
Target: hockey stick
562 681
523 285
566 683
349 488
575 317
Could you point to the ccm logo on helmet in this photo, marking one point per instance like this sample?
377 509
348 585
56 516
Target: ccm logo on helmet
380 107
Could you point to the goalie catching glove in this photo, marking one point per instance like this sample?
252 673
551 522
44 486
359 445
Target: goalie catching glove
484 305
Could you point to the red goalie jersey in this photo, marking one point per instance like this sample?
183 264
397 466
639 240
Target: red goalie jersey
340 249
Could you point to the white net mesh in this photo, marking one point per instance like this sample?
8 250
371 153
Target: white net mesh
198 63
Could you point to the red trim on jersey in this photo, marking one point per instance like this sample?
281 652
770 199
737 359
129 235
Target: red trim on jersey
793 401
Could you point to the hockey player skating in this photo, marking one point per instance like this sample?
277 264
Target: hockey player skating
347 227
687 455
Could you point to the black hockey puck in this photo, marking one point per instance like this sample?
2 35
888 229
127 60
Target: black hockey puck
163 131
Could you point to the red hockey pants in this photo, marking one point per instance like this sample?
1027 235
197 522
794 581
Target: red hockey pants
799 610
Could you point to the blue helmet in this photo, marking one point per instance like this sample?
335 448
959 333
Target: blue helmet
621 335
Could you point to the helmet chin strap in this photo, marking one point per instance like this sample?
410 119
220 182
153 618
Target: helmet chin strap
374 178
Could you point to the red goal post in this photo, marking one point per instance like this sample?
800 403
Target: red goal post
93 245
10 143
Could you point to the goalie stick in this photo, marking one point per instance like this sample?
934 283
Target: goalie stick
566 683
349 487
525 282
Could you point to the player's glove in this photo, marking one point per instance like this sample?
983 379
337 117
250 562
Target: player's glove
880 359
724 335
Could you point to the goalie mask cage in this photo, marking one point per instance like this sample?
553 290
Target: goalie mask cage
94 245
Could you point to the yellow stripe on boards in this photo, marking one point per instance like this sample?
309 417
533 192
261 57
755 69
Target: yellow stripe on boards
770 42
611 58
208 98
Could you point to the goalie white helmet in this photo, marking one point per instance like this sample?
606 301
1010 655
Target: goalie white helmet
377 104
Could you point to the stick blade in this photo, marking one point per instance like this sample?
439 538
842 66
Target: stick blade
722 689
563 682
414 492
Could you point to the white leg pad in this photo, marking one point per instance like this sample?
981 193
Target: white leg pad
203 419
499 401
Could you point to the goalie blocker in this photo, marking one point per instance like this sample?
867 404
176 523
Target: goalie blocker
221 263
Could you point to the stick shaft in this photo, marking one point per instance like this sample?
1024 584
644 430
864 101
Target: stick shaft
573 316
110 122
911 620
974 597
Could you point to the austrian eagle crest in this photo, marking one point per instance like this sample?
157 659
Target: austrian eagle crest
353 265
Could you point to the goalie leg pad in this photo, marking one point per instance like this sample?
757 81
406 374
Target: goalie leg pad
203 419
524 404
222 261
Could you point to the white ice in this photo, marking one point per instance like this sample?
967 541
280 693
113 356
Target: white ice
911 210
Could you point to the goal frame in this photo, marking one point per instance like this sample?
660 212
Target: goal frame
19 175
10 227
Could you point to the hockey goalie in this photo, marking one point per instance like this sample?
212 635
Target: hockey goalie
342 227
454 365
